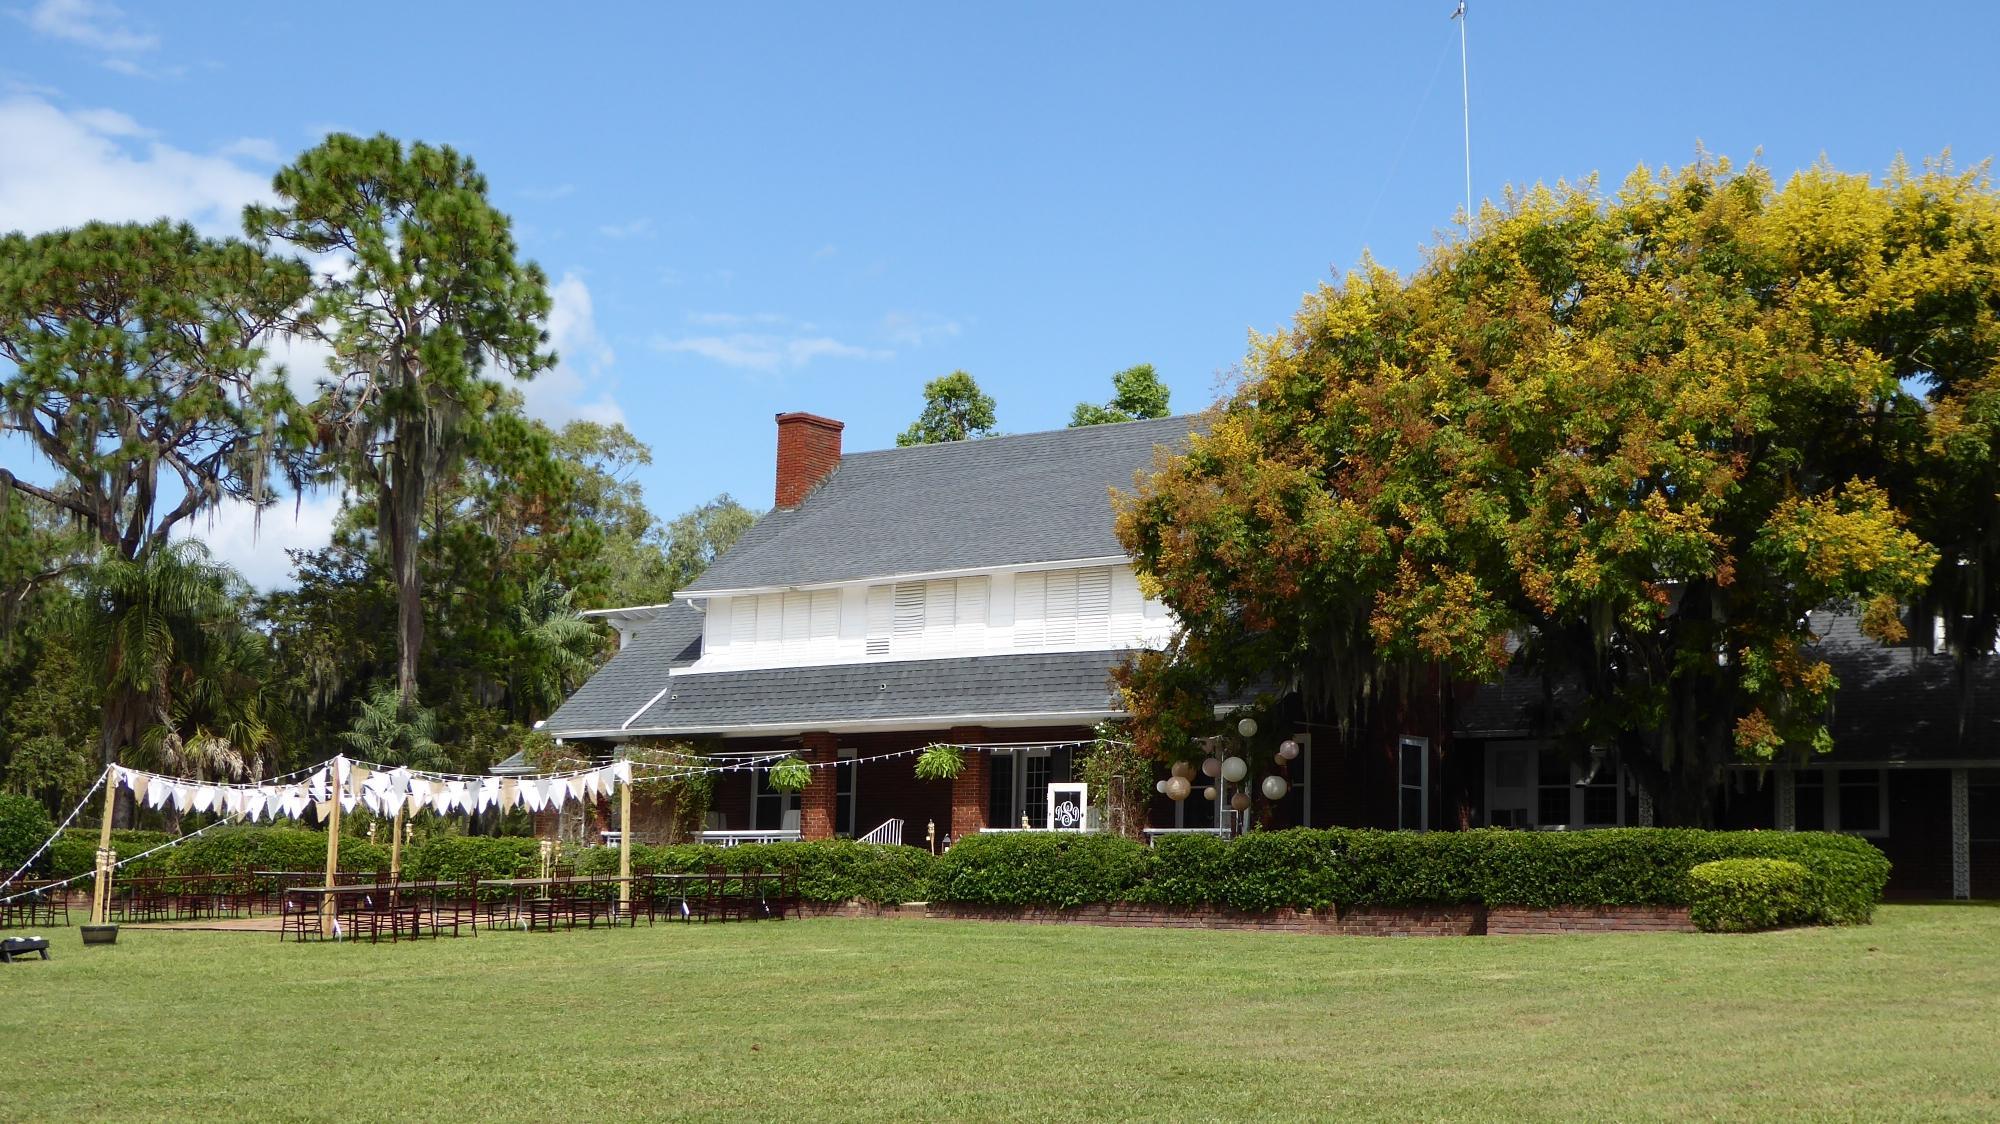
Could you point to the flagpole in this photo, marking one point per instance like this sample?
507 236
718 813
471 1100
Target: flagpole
1465 100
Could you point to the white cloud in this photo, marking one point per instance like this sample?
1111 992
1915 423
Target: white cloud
64 168
582 360
754 351
101 27
915 329
637 228
255 542
556 191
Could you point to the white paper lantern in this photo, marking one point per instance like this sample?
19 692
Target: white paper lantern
1247 727
1160 787
1275 788
1240 802
1208 794
1234 770
1210 766
1288 749
1177 788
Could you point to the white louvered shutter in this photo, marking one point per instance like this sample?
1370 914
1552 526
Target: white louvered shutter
973 596
742 624
881 619
1030 604
909 630
825 628
797 623
1060 609
1093 607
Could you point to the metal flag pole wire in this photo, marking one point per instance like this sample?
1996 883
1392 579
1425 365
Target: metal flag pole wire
1465 105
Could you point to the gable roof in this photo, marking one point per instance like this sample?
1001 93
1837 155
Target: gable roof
996 501
636 673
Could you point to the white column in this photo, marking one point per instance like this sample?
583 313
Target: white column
1961 836
1788 815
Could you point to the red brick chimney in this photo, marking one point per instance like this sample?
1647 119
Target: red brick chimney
808 449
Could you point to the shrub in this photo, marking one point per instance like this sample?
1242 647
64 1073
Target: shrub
1315 869
834 870
76 852
1742 895
1042 868
227 850
24 826
454 858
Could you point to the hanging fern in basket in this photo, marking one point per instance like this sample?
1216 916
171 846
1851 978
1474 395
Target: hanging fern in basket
940 762
790 775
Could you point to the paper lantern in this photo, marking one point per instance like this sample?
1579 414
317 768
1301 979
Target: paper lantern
1275 788
1234 770
1247 727
1288 749
1210 766
1240 801
1208 794
1160 786
1177 788
1182 770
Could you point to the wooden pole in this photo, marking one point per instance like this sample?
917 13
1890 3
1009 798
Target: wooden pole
329 905
625 849
100 898
396 847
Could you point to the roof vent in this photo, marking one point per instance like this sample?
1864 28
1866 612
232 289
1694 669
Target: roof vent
808 450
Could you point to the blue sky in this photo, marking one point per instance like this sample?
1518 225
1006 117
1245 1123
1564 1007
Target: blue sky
757 208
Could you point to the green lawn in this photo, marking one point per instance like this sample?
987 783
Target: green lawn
851 1019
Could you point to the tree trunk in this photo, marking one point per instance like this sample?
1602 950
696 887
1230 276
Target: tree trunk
123 720
403 504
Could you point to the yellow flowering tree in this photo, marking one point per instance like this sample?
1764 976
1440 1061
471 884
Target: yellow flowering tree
1631 440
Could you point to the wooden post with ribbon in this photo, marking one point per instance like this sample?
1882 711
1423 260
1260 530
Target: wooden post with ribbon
107 859
624 848
330 905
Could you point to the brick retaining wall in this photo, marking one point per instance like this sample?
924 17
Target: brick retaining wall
1357 921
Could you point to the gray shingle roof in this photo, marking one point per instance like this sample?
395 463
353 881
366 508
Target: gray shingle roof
1894 704
1033 497
636 673
795 699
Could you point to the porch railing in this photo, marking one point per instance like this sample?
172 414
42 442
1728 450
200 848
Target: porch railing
891 832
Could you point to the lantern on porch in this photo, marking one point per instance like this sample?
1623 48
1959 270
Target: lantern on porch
1160 787
1182 770
1178 788
1288 749
1210 766
1208 794
1247 728
1275 787
1240 801
1234 770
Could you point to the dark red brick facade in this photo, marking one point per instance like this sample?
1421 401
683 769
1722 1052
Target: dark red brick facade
817 804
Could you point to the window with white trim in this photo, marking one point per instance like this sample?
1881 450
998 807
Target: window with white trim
1413 784
909 619
1855 801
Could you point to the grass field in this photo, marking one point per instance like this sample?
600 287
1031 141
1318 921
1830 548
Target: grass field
865 1019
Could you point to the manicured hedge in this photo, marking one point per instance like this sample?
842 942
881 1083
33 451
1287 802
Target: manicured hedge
836 870
1742 895
76 852
458 857
1317 869
228 850
24 826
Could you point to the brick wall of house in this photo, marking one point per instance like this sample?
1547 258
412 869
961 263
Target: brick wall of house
971 789
817 804
1517 921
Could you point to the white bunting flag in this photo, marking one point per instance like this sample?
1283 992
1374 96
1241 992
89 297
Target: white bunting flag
589 787
622 771
141 785
293 802
510 793
183 796
204 797
316 784
572 789
489 793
